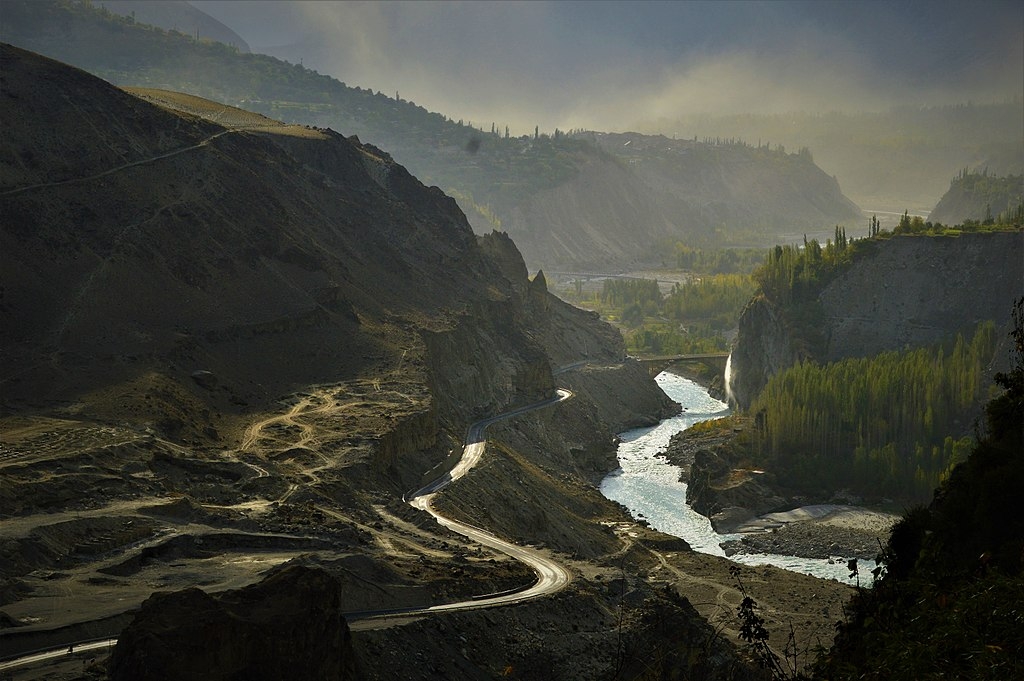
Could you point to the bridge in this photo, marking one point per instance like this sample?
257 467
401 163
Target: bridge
657 363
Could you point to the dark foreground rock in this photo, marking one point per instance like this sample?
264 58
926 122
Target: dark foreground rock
289 626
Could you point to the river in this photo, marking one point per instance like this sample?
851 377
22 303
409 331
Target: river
648 485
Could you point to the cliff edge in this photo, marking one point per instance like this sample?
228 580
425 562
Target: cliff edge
905 291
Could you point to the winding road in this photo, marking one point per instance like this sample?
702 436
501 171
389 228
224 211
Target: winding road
551 576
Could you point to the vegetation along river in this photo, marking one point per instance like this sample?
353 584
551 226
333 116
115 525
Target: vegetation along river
648 485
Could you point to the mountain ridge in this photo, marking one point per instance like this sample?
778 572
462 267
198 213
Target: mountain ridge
503 182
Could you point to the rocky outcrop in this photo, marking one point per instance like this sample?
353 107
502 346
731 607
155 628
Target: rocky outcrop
726 495
414 433
486 363
288 626
906 291
621 394
763 347
502 251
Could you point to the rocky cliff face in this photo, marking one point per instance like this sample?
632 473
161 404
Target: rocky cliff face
916 291
763 348
908 291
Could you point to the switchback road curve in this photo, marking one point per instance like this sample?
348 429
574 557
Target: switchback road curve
551 576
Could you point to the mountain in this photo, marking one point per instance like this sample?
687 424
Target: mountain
564 199
164 235
981 197
176 15
888 161
731 186
262 256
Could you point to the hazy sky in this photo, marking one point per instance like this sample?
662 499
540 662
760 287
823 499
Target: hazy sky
609 65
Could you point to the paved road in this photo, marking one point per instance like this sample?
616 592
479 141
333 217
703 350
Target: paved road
57 653
551 576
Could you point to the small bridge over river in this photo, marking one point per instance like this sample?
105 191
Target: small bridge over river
657 363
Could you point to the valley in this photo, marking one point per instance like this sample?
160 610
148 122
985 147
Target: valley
143 455
302 380
390 557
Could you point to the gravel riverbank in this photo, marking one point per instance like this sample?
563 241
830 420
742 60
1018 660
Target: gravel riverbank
821 531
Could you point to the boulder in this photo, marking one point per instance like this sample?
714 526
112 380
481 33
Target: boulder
288 626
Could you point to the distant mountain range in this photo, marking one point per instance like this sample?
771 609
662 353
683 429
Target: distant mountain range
179 16
567 200
894 160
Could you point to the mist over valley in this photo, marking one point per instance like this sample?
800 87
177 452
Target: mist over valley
511 340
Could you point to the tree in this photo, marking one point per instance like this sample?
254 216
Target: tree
633 315
904 226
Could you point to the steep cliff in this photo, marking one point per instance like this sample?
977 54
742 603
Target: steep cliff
763 347
905 291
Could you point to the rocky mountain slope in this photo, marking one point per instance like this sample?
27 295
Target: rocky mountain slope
565 201
230 346
908 291
732 186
